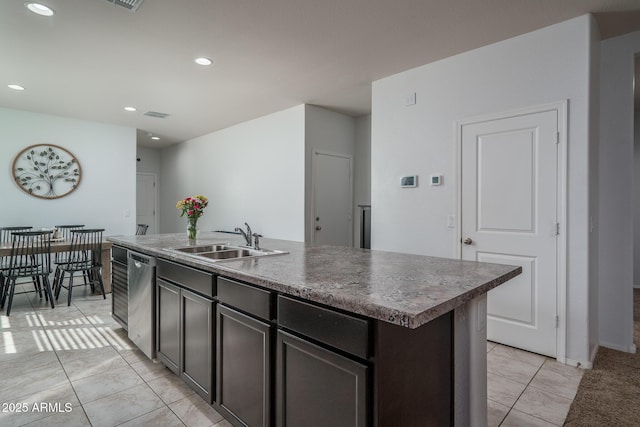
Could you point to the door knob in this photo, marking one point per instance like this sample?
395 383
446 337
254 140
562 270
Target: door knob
467 241
318 228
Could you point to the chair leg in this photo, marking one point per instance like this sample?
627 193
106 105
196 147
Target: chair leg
12 287
70 288
56 277
47 289
58 286
2 281
37 285
5 290
98 274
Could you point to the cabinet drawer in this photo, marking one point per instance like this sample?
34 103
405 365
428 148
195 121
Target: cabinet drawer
342 331
190 278
245 297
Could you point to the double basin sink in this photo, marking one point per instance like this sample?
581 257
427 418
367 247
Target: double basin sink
223 251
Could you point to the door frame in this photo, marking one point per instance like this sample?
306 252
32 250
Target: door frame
312 222
561 108
155 198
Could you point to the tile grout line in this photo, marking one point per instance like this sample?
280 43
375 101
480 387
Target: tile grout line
61 366
129 364
520 395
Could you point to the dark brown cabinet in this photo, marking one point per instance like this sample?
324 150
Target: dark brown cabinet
197 343
262 358
244 371
168 324
322 366
185 327
318 387
244 362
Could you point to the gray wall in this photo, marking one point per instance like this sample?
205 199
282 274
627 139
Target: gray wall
104 198
421 139
616 192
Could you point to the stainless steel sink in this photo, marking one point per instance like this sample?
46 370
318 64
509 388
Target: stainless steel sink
202 248
222 251
230 253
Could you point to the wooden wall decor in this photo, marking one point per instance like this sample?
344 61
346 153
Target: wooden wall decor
46 171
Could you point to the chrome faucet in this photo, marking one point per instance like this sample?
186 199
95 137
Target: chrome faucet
246 234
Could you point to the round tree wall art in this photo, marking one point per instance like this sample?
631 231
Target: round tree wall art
46 171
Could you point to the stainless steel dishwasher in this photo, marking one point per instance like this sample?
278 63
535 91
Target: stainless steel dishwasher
141 278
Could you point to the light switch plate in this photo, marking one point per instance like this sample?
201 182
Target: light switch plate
410 99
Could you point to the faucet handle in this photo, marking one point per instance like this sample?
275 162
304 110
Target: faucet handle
256 241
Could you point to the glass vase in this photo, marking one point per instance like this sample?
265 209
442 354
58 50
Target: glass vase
192 229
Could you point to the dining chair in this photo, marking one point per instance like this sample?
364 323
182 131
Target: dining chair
84 255
30 257
66 230
141 230
5 233
5 240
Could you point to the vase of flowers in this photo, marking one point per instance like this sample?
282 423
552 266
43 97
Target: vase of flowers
193 208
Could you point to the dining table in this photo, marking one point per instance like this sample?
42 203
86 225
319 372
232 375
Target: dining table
65 245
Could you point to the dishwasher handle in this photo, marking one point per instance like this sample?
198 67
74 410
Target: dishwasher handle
140 259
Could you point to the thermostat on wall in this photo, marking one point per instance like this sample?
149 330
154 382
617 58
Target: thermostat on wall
409 181
436 179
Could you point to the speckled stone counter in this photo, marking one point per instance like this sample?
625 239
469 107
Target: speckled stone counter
401 289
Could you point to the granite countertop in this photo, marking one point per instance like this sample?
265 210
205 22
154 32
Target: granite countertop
406 290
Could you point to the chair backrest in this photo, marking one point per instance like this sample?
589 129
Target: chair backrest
86 246
142 229
30 253
67 229
5 232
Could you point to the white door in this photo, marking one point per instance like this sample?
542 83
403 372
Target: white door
146 201
510 216
332 199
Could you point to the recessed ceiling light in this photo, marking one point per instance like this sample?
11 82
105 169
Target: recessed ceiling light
203 61
15 87
130 108
155 138
39 8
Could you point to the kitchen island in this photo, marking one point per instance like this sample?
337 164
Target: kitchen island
323 334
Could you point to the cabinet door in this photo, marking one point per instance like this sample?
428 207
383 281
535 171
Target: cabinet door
168 324
317 387
243 364
198 338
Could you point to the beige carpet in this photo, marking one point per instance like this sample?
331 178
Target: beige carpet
609 394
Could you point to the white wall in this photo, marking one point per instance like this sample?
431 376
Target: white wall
148 160
362 173
325 131
548 65
252 172
106 154
636 197
616 191
594 193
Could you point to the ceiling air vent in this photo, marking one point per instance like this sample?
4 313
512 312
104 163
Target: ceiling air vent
132 5
156 114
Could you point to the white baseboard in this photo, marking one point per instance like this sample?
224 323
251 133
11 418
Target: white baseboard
583 364
631 348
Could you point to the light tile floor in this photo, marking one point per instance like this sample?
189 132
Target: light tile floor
526 389
74 366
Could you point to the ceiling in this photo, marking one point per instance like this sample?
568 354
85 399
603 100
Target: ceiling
91 59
